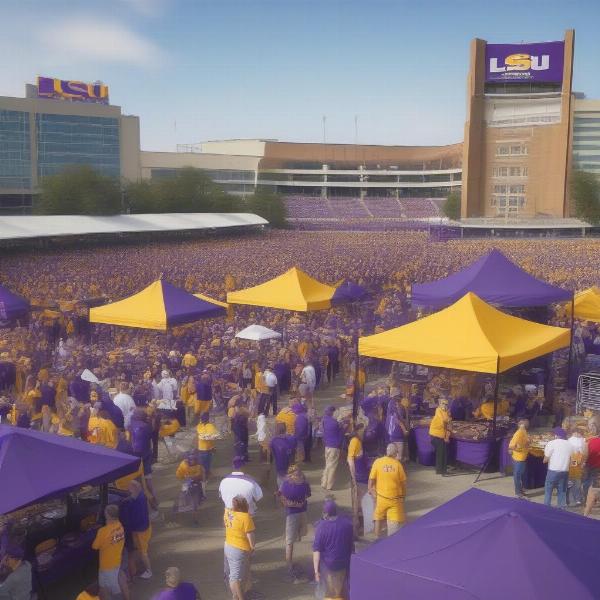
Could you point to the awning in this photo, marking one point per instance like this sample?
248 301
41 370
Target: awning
257 333
11 305
587 305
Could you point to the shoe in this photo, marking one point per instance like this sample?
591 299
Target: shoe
146 575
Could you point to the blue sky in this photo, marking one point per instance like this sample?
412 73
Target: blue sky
209 69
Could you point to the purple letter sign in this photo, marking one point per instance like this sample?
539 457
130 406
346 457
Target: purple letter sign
515 63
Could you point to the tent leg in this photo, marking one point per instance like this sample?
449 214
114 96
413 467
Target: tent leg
493 436
569 366
355 387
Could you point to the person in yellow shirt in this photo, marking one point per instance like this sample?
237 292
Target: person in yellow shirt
206 434
102 430
109 542
90 593
387 485
239 545
519 450
189 360
439 431
192 491
287 416
359 473
486 409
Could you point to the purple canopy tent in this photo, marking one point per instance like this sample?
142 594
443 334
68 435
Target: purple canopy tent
11 305
348 291
36 466
454 553
494 279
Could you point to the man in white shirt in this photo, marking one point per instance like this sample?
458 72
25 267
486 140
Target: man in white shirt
239 484
125 402
167 388
270 380
557 454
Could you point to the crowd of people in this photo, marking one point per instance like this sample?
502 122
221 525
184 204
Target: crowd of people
133 390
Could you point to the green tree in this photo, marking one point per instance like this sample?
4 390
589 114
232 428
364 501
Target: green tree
141 197
268 205
79 190
451 207
585 195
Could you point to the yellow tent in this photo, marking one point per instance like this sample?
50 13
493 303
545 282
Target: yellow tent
469 335
587 305
212 300
294 290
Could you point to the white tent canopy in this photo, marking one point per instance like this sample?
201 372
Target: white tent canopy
257 333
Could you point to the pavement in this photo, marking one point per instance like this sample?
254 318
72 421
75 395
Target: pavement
198 549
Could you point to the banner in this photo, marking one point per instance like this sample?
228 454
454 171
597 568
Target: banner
72 90
524 63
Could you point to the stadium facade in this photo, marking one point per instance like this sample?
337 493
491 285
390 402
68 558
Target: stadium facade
525 130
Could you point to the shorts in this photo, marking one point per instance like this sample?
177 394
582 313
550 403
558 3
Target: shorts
109 580
295 527
141 540
390 510
237 563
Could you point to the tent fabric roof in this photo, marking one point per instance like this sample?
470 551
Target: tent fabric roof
469 335
587 305
23 227
494 279
257 333
454 552
347 291
36 466
211 300
11 305
158 306
294 290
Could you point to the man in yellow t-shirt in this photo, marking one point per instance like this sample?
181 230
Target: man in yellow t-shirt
206 433
288 417
109 541
519 450
102 430
486 410
439 431
387 483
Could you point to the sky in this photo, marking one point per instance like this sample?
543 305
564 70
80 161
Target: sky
196 70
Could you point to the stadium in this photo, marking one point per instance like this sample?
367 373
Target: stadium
370 401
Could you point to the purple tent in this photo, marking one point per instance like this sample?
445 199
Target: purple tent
481 546
348 292
494 279
35 466
11 305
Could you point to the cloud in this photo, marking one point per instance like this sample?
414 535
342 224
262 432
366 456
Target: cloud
147 8
90 38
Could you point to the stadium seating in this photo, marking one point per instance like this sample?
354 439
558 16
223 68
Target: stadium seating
384 207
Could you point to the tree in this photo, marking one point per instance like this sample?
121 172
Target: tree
451 207
585 194
141 197
268 205
79 190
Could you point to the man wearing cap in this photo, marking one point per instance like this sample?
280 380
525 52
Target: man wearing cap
239 484
557 454
175 588
332 548
387 485
17 584
333 437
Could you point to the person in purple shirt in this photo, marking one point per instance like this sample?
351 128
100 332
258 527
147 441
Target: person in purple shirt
333 437
294 493
177 589
283 451
48 392
140 432
135 517
332 548
301 430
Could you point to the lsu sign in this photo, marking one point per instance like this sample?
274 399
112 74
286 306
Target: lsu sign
515 63
72 90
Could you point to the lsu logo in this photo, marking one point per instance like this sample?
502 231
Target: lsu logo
521 62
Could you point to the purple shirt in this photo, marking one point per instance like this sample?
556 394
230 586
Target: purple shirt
184 591
141 437
333 436
296 492
283 448
334 539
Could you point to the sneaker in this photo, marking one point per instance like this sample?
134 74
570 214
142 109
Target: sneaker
146 575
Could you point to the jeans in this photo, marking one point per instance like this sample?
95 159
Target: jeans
441 455
205 459
574 492
558 480
519 470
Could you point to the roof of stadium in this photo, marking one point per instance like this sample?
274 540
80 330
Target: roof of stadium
30 227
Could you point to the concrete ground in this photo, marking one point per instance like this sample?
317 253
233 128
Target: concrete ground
198 550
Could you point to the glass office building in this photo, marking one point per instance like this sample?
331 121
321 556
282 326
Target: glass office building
15 150
64 140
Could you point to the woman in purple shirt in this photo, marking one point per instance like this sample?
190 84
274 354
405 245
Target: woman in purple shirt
333 437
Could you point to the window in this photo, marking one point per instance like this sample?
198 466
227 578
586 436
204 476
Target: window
524 171
517 189
515 150
499 189
15 150
502 151
500 171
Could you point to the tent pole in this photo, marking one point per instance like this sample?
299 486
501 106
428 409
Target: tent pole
355 387
571 341
496 396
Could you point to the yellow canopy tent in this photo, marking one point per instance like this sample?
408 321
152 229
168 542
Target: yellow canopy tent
587 305
294 290
469 335
212 300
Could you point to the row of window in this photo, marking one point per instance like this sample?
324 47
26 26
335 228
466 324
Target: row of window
510 189
586 138
508 201
15 150
511 150
509 171
578 147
